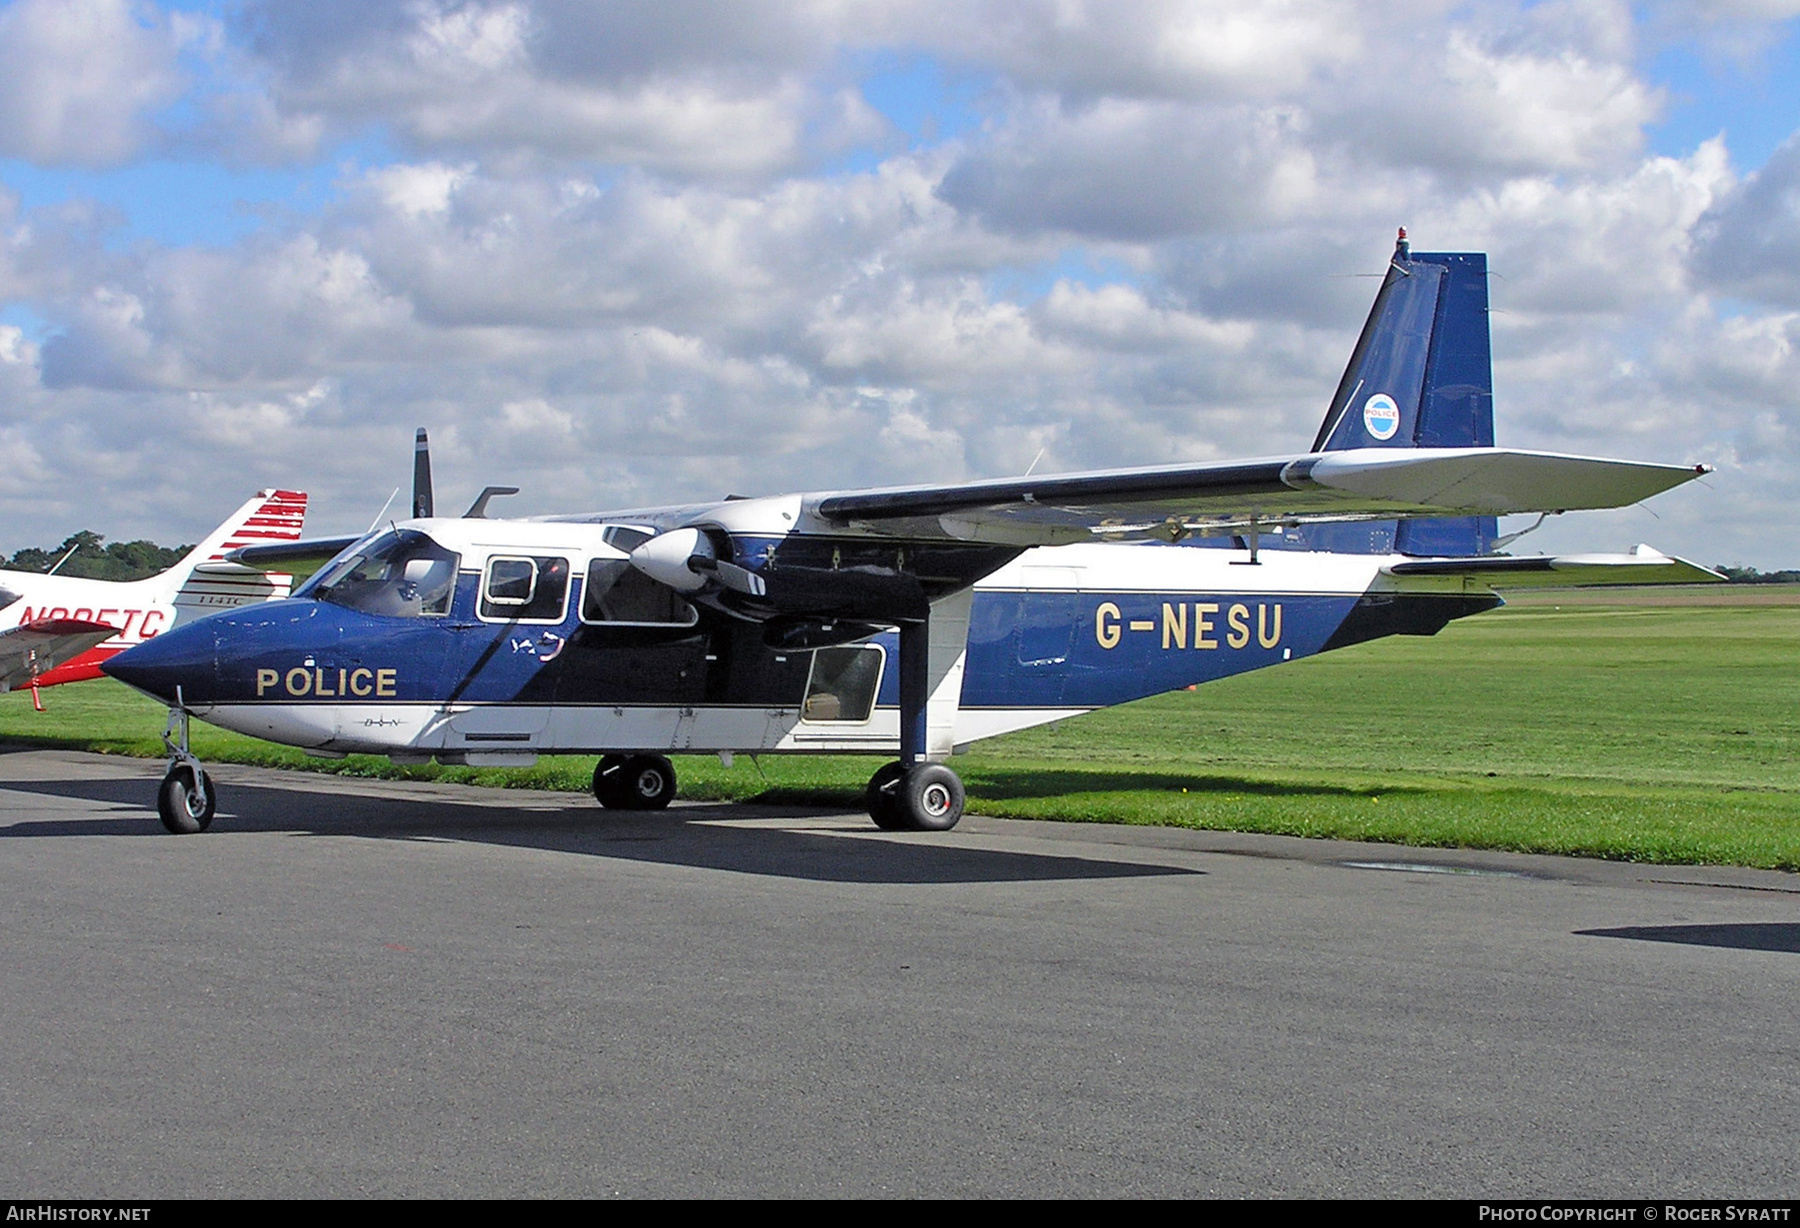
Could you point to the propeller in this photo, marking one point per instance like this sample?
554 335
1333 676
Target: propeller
687 560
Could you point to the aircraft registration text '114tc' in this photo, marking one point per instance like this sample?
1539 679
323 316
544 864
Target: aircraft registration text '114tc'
905 622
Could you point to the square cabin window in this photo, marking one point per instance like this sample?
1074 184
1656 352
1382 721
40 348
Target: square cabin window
525 589
844 683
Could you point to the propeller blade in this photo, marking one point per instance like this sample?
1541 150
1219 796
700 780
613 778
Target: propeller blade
421 476
740 578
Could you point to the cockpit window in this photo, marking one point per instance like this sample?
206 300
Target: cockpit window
402 574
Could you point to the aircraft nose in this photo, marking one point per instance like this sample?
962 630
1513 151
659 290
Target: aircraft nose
184 657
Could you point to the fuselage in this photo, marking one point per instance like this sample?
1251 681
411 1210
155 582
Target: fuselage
497 652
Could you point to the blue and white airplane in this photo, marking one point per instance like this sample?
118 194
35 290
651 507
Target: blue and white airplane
908 621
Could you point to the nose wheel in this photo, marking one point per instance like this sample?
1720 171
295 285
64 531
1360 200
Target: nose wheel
186 801
923 797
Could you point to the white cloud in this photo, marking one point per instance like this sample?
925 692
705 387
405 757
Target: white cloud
1749 244
412 190
1460 106
556 80
78 78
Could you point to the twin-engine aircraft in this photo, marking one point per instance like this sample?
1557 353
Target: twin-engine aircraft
912 620
56 629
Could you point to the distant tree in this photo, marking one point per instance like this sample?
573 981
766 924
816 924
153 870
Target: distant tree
1749 575
94 560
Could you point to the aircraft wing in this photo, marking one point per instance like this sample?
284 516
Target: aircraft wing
1171 502
34 648
1642 565
298 559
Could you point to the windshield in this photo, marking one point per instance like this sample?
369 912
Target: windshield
403 574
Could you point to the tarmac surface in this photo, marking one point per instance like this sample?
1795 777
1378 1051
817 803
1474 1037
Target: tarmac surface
355 988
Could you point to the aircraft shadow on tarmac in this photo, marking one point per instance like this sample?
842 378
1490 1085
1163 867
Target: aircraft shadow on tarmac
1748 936
687 835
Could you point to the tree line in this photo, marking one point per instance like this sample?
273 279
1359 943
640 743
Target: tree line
1749 575
94 559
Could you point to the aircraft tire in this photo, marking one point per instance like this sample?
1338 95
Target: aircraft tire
648 782
183 808
881 797
609 782
930 797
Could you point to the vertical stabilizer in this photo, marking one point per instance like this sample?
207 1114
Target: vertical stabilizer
1421 376
204 582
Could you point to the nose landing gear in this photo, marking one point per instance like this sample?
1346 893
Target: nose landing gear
186 801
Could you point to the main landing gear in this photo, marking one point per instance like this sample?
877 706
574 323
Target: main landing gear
924 797
186 801
634 782
914 794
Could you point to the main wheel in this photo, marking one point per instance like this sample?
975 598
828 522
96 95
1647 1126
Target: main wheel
184 807
881 797
929 797
609 782
648 782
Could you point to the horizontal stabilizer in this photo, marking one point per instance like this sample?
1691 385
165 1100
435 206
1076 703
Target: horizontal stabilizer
1643 565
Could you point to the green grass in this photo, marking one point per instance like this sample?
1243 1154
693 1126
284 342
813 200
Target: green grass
1663 733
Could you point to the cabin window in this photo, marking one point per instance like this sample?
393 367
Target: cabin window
519 588
843 683
403 574
617 592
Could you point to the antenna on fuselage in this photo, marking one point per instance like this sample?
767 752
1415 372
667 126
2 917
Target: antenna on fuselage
421 476
384 507
478 509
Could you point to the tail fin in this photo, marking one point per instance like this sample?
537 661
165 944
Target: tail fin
205 582
1421 376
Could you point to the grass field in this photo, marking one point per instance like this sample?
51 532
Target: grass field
1652 726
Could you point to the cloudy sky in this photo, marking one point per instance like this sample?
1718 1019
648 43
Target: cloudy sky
642 252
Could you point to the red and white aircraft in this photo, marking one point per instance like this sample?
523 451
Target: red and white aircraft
60 628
